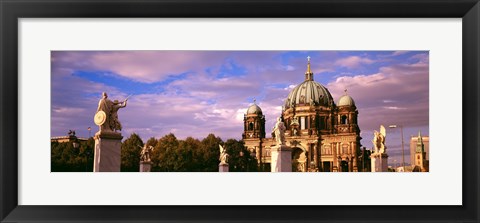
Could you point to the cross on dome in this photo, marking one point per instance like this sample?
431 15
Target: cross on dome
308 73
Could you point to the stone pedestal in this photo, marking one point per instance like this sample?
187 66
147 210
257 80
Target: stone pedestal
223 167
379 162
145 166
107 152
281 158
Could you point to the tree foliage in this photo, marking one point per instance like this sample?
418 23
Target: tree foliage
241 160
169 155
130 153
66 158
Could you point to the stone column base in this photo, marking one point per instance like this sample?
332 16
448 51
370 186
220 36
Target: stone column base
379 162
145 166
223 167
281 158
107 152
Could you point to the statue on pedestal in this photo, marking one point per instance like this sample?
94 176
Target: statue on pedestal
279 131
107 117
223 155
145 153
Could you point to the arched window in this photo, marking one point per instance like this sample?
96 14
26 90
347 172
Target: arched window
250 126
344 120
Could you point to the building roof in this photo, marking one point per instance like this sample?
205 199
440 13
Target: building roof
67 138
254 109
346 100
309 92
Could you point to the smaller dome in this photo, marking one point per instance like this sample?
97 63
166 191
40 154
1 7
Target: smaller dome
254 109
346 100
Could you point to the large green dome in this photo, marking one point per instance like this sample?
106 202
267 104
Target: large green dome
309 92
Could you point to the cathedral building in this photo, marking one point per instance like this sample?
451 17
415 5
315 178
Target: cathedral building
324 135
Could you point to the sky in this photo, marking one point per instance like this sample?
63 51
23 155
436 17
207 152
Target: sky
194 93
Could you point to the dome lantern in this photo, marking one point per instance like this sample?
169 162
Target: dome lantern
308 73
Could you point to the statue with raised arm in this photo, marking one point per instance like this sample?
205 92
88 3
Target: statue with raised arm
106 117
114 122
145 153
223 155
102 117
279 131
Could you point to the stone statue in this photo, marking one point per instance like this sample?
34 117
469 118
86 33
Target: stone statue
379 140
223 155
279 131
106 117
103 112
114 122
145 153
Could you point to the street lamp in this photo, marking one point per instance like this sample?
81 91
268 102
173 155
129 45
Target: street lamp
403 150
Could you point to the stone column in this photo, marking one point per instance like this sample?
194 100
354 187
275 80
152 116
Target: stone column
379 162
107 151
350 165
281 158
145 166
315 155
258 153
223 167
335 157
339 164
308 155
355 157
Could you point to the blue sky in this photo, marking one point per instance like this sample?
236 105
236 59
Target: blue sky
193 93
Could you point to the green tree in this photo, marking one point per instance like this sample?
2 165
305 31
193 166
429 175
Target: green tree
87 153
164 156
130 153
190 160
210 152
66 158
241 160
152 141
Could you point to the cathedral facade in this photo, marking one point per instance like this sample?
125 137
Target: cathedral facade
324 135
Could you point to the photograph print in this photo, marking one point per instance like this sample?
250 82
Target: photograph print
240 111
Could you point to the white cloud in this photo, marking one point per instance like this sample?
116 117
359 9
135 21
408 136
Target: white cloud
289 68
353 62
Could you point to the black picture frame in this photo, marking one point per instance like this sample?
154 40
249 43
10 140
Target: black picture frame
11 11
